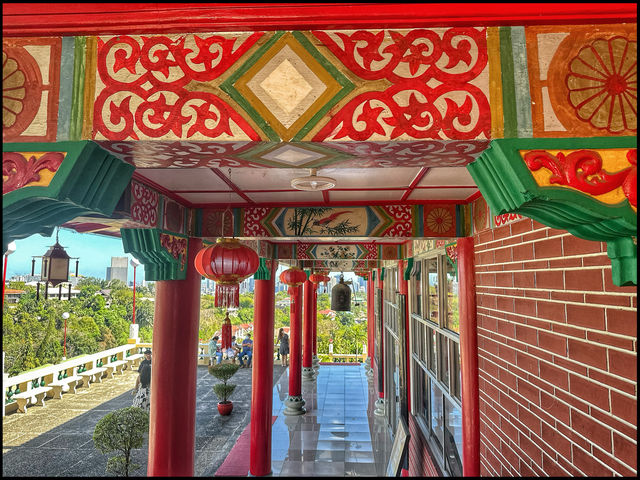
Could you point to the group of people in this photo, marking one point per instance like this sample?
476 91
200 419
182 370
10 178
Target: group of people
243 350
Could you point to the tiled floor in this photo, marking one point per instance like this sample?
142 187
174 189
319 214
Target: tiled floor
338 435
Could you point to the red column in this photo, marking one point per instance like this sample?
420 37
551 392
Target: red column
381 353
295 343
314 328
403 289
262 377
174 372
469 360
370 317
307 327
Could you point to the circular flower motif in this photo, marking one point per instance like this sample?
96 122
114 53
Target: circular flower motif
602 84
439 220
13 91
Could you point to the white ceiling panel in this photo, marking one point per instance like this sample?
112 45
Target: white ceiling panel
285 197
371 177
212 198
366 195
265 178
442 193
449 176
178 179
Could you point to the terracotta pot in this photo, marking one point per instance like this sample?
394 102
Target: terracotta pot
225 408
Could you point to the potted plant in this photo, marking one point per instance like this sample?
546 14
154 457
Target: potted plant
223 372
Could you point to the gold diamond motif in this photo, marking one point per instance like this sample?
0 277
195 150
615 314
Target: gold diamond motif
287 86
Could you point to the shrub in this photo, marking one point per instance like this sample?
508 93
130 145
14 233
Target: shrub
223 391
121 431
223 371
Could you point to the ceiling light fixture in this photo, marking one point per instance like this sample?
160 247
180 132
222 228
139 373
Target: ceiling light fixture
313 182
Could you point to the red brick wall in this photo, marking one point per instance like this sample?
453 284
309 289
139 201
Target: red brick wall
420 462
557 348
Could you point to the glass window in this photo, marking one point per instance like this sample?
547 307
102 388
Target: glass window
453 315
443 349
421 390
433 349
456 374
431 280
453 438
437 415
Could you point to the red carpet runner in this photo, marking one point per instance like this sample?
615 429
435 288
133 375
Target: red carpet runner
237 462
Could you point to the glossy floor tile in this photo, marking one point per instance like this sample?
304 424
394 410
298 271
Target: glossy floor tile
338 435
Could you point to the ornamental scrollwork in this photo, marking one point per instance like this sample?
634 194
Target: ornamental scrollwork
176 246
18 170
583 171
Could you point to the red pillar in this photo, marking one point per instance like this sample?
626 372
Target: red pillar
262 377
381 353
307 327
370 317
174 373
295 342
469 360
403 289
314 328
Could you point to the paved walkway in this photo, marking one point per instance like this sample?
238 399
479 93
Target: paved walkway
56 441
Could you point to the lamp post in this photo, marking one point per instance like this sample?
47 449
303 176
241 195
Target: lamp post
10 249
134 262
65 315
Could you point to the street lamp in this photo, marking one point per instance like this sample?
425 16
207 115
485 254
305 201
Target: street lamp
134 263
65 315
10 249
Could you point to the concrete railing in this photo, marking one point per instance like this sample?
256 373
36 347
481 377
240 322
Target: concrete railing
68 368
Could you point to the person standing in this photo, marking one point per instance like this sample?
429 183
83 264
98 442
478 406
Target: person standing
247 351
283 339
146 361
142 390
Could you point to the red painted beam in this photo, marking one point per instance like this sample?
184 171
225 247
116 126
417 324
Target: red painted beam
414 183
232 185
38 19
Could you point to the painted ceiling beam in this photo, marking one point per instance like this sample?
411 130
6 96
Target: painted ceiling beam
38 19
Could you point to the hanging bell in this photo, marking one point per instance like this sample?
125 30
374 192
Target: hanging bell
341 297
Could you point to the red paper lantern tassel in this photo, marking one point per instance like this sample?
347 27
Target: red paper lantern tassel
226 333
227 296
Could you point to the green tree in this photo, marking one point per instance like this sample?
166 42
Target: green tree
121 431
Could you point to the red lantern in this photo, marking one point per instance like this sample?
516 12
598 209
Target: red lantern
293 277
228 263
316 278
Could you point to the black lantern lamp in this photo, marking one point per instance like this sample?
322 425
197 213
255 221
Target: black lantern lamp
55 268
341 296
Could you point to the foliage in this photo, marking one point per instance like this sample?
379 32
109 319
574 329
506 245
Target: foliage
121 431
223 372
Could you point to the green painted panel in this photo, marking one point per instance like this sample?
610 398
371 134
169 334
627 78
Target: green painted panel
89 181
509 187
145 245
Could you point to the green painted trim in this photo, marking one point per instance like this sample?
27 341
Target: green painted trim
381 274
509 109
262 273
144 244
66 88
509 187
77 98
521 82
407 271
342 80
89 181
623 253
228 87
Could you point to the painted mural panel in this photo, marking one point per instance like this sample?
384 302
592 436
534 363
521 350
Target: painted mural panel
583 80
29 169
30 89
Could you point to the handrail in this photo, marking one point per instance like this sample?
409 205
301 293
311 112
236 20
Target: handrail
68 368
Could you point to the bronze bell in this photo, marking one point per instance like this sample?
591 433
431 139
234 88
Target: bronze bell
341 297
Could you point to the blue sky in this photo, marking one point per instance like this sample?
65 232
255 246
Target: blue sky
94 252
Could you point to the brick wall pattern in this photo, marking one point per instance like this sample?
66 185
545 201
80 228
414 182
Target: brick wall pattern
557 352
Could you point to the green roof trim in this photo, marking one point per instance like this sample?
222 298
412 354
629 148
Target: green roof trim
145 245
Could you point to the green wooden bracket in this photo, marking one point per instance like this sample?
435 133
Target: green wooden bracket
88 181
263 272
508 186
407 271
153 248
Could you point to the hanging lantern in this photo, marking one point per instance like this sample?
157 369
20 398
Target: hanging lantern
341 297
227 263
316 278
226 333
293 277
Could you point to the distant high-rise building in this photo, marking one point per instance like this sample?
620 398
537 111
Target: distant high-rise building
119 269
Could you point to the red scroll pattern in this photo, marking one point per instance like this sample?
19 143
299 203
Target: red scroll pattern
159 101
144 205
176 246
450 107
583 171
21 171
